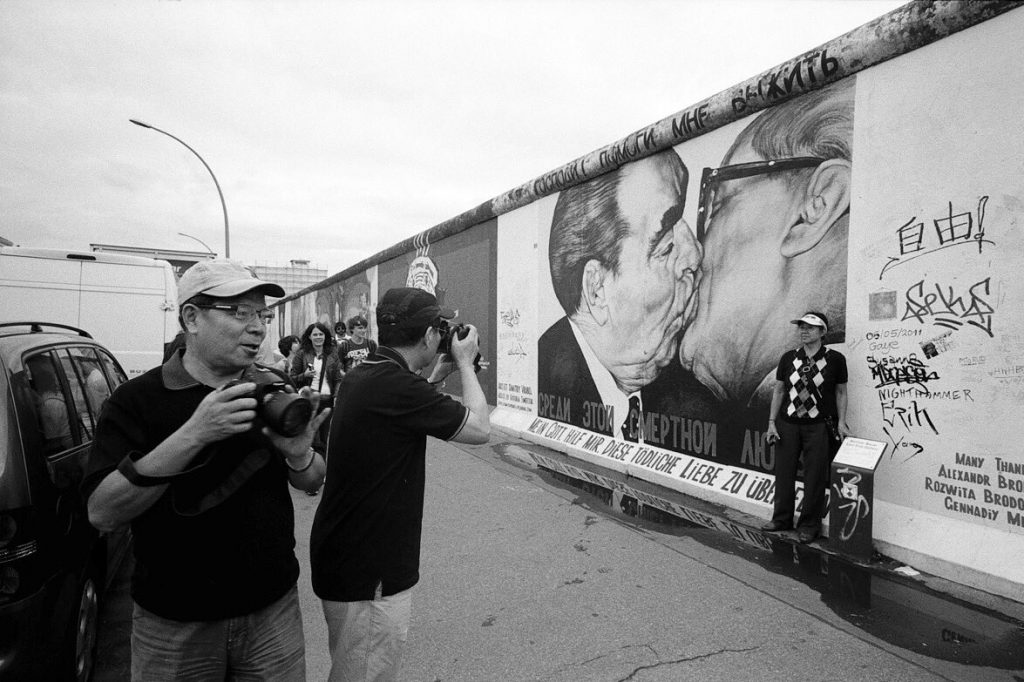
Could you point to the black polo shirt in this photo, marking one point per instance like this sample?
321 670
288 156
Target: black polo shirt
193 561
366 534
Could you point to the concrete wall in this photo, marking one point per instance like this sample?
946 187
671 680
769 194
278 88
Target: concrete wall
669 265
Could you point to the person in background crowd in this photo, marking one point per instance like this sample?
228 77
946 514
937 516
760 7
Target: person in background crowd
357 348
286 346
176 455
340 333
365 543
316 364
811 383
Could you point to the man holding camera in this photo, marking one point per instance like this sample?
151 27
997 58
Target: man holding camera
365 543
186 454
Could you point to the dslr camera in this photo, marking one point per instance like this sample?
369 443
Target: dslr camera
277 405
448 333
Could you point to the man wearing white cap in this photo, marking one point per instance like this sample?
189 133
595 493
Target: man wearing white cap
177 454
810 383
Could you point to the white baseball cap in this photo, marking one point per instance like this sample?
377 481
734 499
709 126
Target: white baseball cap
221 278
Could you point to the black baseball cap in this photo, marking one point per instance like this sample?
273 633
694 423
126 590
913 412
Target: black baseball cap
407 307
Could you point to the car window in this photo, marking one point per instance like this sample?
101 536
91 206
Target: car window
90 375
115 375
81 414
53 415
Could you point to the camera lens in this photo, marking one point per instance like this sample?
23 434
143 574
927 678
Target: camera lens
286 413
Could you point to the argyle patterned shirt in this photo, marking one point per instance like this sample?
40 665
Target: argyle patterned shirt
799 373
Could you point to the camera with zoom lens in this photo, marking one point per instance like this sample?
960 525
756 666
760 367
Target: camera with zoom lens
282 410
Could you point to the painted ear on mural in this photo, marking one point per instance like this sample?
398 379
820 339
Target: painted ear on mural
826 200
592 294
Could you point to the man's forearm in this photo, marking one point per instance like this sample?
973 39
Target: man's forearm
477 429
841 402
776 403
116 501
472 393
303 477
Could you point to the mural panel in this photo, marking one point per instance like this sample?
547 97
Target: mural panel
668 287
344 300
520 266
460 271
639 315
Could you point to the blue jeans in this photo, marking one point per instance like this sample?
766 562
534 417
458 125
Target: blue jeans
265 645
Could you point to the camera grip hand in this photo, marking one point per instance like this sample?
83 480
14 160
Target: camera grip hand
227 411
465 349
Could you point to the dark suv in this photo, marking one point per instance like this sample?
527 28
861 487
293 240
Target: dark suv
53 565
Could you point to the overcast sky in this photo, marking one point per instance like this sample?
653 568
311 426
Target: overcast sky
338 128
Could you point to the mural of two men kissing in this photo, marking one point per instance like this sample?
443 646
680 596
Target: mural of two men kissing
676 312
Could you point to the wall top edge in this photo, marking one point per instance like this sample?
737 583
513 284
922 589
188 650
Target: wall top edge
903 30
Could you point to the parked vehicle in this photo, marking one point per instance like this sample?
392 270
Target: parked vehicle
54 566
127 303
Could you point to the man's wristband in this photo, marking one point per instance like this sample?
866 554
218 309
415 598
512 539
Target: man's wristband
128 470
312 456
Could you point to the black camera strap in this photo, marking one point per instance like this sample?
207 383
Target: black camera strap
323 372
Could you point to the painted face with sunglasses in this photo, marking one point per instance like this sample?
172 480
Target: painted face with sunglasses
774 233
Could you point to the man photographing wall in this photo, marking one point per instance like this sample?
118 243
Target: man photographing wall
365 543
178 455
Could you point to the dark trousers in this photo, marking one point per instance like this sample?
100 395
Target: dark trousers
810 440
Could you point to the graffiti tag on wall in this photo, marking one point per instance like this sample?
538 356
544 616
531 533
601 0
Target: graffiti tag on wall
951 230
944 306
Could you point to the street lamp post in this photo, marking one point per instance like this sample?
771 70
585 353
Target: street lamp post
227 243
205 245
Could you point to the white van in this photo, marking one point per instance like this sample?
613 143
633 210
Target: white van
127 303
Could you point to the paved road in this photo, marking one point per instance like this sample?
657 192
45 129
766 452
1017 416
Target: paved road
526 578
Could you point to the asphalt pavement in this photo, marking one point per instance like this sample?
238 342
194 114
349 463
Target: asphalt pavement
531 574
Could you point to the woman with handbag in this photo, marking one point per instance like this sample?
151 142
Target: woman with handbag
810 389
